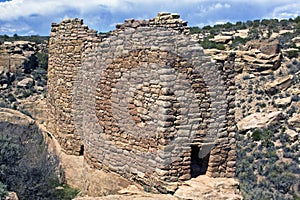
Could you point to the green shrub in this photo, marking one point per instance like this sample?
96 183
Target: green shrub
26 93
4 104
3 190
239 40
64 192
42 59
254 159
11 97
263 105
271 154
207 44
292 54
195 29
257 135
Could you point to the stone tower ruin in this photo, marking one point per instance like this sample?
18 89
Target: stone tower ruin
142 101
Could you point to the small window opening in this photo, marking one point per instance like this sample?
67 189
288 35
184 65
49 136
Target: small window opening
81 151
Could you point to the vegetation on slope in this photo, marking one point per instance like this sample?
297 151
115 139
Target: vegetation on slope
33 38
27 169
262 174
267 159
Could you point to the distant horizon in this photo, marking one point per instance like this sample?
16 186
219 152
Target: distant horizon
33 17
12 35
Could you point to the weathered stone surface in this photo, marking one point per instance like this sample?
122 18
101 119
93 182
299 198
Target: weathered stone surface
283 102
12 196
92 182
199 188
258 120
264 46
124 100
279 84
294 121
27 82
15 117
222 38
204 187
293 134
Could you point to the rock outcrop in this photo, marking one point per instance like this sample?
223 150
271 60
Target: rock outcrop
258 120
12 196
19 56
267 65
27 167
200 188
23 74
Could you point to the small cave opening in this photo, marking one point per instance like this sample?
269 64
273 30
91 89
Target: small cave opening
81 151
198 164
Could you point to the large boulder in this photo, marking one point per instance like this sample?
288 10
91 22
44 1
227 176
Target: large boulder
258 120
12 196
222 39
292 134
282 102
10 118
279 84
26 82
264 46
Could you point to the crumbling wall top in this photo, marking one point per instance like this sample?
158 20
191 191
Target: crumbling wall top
163 19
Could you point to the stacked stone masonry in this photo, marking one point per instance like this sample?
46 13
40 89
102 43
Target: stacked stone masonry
142 101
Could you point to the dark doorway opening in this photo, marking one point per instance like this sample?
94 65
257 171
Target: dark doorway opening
198 165
81 151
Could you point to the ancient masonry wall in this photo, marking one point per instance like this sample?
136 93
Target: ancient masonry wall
65 44
142 101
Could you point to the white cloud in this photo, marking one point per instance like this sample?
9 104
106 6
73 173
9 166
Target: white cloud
215 7
21 8
24 8
10 28
37 15
286 11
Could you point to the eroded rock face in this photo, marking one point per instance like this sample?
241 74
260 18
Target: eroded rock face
92 182
200 188
258 120
266 47
12 117
12 196
294 121
204 187
19 56
26 166
279 84
39 157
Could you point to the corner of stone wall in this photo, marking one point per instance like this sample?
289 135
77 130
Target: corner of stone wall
65 43
223 156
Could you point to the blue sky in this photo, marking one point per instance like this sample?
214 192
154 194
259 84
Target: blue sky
31 17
